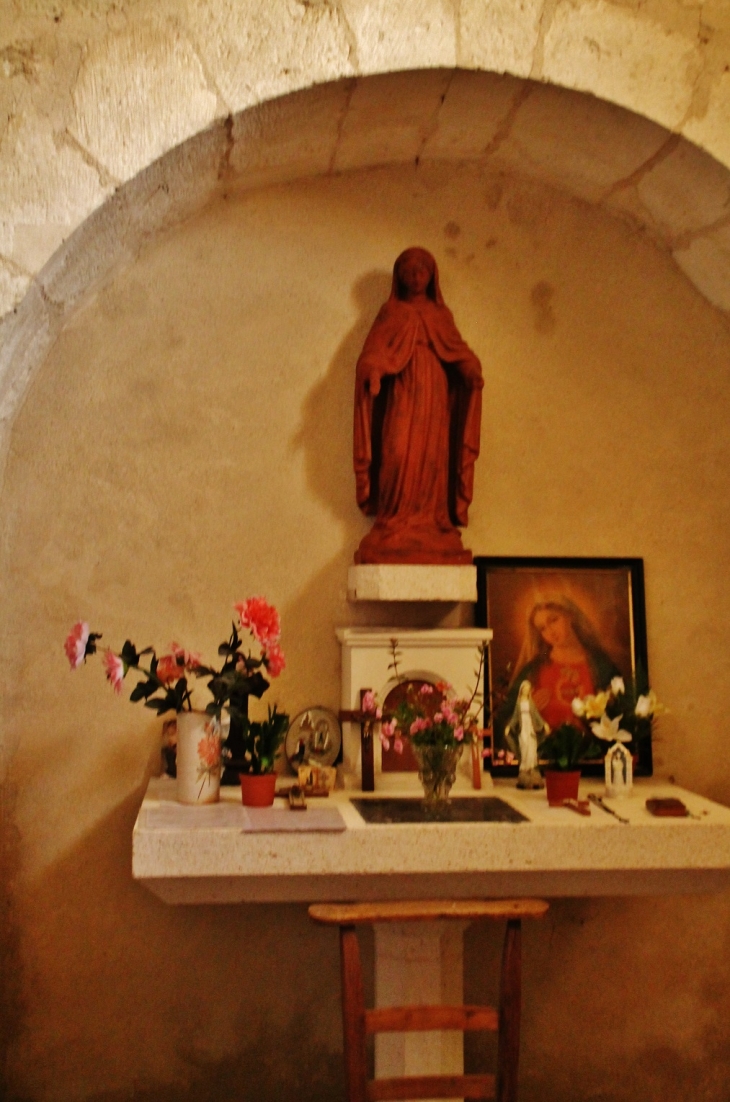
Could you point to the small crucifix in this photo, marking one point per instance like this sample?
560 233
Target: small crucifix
367 723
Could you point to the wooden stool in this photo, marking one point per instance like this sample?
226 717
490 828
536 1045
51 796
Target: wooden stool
358 1022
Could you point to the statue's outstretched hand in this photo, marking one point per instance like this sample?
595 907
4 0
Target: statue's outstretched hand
372 382
473 377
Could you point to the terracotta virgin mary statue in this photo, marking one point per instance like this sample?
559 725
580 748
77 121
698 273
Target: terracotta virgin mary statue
418 402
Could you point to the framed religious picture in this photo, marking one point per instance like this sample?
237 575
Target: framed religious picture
569 627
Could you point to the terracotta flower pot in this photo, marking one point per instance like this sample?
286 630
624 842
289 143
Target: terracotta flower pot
561 785
257 790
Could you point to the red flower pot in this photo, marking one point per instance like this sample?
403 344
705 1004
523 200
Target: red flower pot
257 790
561 785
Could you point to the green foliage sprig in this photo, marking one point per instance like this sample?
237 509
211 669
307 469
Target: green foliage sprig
567 746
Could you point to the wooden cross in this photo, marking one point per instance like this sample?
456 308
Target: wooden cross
367 723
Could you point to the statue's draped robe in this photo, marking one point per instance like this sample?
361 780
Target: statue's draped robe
416 442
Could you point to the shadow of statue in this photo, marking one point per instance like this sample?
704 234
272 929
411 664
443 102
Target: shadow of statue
325 431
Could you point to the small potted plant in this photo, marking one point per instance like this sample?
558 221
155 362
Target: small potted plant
260 743
164 685
561 753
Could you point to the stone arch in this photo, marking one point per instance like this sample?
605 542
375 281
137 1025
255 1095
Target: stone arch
94 97
594 150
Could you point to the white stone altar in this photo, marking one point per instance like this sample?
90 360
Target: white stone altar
555 853
202 855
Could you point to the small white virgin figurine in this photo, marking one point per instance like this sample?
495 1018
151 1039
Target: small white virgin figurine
619 766
522 733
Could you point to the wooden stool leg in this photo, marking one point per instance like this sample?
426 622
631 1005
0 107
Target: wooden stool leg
353 1016
510 1000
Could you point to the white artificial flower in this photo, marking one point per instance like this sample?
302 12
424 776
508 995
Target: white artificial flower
578 706
617 686
609 730
595 706
648 705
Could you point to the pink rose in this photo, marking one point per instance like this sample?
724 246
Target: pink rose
426 689
274 658
420 724
75 645
261 619
398 745
169 669
388 728
458 733
190 659
438 717
384 742
114 669
368 702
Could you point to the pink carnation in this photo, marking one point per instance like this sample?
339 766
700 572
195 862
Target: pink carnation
169 669
274 658
114 669
261 619
75 645
190 659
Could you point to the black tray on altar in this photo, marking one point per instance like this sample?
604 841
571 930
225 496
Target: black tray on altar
464 809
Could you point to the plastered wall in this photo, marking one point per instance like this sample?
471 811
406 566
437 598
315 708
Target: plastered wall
187 443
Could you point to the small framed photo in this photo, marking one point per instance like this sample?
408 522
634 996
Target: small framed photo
567 625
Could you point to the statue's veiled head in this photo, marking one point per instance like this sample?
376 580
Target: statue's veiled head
415 273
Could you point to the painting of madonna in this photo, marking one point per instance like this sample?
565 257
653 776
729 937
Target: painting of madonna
562 658
568 632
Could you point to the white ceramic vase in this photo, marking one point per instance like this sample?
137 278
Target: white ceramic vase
198 758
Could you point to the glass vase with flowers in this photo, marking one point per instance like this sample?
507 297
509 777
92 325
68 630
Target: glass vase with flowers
435 722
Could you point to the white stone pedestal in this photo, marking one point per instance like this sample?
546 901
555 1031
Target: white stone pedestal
419 963
405 582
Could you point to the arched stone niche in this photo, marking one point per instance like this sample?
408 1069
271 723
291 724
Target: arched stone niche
179 384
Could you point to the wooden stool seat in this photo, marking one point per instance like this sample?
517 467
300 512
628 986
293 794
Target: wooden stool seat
359 1022
421 910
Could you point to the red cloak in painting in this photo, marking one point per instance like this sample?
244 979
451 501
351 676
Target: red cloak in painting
416 442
